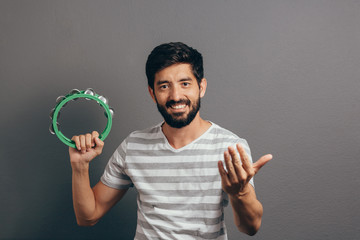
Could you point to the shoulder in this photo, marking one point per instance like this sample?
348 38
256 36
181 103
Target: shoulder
144 136
147 132
219 131
226 136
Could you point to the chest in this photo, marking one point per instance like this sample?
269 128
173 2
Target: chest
160 177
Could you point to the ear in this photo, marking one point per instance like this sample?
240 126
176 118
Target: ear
203 85
151 91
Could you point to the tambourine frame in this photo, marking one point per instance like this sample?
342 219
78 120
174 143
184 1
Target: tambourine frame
68 98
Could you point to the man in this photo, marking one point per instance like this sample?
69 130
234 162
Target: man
176 166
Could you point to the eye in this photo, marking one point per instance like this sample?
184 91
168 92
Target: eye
186 84
164 86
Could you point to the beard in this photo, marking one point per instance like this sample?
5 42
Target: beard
179 120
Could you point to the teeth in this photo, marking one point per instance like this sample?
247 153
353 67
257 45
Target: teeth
178 106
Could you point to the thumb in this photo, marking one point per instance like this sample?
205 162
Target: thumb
261 162
98 145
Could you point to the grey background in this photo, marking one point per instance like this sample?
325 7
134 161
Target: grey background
282 74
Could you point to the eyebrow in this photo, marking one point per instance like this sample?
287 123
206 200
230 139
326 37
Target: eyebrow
162 82
166 81
185 79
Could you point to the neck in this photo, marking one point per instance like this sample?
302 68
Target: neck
180 137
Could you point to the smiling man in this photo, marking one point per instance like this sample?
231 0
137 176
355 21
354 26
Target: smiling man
185 169
178 111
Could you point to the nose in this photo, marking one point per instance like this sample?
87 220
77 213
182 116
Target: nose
175 93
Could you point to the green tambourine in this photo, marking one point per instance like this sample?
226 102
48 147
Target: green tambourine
75 94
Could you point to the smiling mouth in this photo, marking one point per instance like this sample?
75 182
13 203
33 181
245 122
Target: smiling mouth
178 106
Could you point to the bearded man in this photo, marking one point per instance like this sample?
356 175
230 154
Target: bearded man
185 169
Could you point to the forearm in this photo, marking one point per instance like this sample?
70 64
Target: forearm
83 196
247 211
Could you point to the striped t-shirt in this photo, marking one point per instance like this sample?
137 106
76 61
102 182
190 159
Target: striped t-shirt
179 190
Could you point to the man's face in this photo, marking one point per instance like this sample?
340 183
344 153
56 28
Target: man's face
177 94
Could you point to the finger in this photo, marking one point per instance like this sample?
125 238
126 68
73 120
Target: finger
94 135
88 141
76 139
82 143
229 158
224 176
99 145
261 162
240 172
245 160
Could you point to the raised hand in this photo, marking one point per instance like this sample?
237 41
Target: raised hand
235 181
88 146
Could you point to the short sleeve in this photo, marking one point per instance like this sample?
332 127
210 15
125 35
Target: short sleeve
114 174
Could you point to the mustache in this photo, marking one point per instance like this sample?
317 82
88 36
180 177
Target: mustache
181 101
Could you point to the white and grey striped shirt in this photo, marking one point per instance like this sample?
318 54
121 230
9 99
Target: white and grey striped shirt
179 190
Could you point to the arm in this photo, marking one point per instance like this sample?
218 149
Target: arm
89 204
235 182
247 212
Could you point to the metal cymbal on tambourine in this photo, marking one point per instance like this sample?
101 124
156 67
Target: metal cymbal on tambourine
74 94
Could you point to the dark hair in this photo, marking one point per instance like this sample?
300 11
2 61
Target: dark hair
168 54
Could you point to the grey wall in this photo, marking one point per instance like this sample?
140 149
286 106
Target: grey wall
282 74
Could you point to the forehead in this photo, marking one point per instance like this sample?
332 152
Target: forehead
175 72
